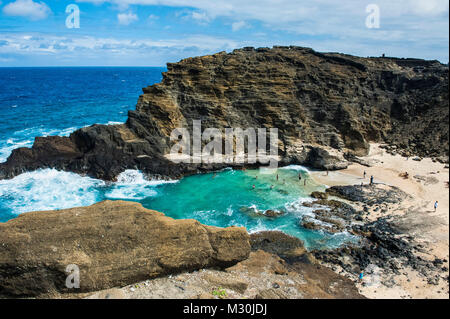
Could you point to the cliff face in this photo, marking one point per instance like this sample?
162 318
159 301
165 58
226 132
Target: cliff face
325 106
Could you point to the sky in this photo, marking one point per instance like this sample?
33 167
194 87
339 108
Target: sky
154 32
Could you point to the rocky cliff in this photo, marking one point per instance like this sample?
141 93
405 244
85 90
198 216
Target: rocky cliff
327 107
112 243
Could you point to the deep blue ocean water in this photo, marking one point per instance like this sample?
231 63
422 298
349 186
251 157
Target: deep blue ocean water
57 101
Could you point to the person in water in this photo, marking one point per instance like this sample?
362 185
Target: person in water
271 186
304 182
253 186
277 177
299 176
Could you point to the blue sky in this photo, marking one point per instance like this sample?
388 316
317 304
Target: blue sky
153 32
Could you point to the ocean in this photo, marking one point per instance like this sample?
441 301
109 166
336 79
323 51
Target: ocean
57 101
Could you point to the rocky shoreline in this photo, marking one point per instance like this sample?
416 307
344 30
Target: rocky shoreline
326 106
384 246
184 259
133 252
121 244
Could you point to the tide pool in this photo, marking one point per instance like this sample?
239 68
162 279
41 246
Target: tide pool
225 198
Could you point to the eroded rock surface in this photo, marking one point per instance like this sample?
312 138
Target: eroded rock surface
325 105
277 268
113 244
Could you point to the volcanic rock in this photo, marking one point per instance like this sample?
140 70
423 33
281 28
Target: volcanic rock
112 243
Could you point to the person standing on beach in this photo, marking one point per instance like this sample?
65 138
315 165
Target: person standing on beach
371 180
364 175
361 276
436 203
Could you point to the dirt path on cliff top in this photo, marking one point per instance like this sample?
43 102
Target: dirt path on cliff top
415 216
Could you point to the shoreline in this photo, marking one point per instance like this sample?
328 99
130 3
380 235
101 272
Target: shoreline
426 229
426 184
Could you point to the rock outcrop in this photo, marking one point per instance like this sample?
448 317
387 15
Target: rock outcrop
325 105
113 244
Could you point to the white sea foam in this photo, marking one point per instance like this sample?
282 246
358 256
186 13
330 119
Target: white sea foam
132 184
295 168
48 189
297 207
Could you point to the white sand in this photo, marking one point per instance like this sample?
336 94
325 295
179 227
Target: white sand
428 227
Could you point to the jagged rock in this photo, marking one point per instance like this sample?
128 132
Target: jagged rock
324 105
369 194
319 195
271 213
113 244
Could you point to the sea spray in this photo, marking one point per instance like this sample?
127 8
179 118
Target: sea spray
47 189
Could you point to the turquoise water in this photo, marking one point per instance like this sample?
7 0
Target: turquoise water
228 198
220 199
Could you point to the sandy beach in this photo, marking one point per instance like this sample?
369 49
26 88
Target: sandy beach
427 182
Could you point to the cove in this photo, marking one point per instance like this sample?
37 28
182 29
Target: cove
226 198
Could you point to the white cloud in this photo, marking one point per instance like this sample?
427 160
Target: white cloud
127 18
44 49
201 17
27 8
236 26
38 43
409 28
429 7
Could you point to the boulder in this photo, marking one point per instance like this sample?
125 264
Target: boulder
113 244
319 195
